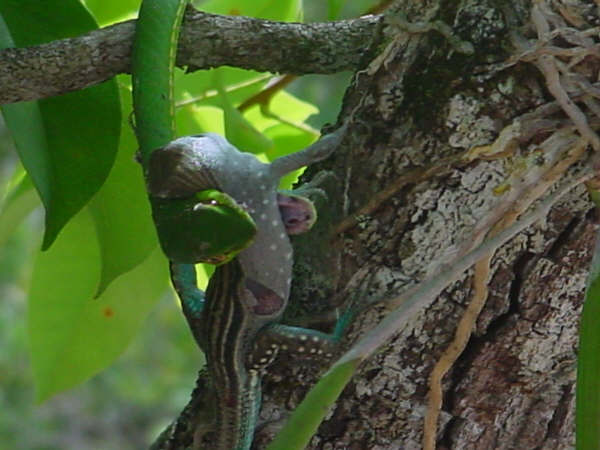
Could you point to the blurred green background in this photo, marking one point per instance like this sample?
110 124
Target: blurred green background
127 405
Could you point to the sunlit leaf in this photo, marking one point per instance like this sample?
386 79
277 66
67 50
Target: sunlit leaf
282 106
72 335
193 119
291 107
239 84
283 10
67 143
121 210
287 140
238 130
63 280
110 11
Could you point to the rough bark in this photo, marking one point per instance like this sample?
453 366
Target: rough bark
417 114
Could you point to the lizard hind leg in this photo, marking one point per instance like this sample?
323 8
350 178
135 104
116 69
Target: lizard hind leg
300 342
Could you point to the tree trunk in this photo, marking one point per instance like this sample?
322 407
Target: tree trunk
444 149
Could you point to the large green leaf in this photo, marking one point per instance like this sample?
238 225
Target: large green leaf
287 140
193 119
121 210
32 22
588 363
72 335
241 133
67 143
285 114
63 281
289 107
26 124
240 84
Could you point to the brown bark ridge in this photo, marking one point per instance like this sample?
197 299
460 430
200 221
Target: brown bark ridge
445 150
206 41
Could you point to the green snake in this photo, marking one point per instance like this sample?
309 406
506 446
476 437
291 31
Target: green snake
153 62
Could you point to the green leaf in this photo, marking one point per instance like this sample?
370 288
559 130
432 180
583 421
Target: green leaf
239 84
334 8
284 108
288 140
307 417
283 10
110 11
121 210
193 119
73 336
588 363
26 123
239 131
68 143
32 22
286 105
82 130
19 202
63 280
594 194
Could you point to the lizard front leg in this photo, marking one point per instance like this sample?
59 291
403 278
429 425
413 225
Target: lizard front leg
306 343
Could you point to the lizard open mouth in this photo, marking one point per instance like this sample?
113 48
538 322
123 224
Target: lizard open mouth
297 213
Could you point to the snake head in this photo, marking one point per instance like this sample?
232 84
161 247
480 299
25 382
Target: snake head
207 227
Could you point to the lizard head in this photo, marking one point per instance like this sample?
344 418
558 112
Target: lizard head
297 213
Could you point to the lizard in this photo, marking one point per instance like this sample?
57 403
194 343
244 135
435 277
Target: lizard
236 321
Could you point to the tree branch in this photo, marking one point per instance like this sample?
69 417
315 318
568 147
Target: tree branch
206 40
